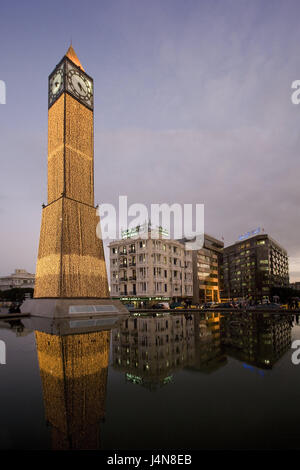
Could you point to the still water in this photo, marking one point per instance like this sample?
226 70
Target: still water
180 381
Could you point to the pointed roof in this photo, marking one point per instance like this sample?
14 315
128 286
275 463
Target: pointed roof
71 54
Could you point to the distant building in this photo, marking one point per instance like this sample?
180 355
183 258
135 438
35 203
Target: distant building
146 271
207 264
20 278
253 266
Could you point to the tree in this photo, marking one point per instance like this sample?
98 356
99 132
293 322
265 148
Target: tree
17 294
285 294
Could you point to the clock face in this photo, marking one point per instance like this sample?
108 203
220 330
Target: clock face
80 86
67 77
55 85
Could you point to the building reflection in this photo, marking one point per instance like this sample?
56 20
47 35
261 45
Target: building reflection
73 361
149 349
209 355
259 339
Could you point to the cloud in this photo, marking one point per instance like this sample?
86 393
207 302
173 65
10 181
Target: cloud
192 105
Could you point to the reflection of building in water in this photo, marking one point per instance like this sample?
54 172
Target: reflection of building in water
73 370
258 339
209 355
150 349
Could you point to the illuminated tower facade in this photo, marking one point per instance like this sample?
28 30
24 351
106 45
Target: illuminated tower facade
71 260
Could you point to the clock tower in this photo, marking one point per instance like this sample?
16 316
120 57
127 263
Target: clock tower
71 262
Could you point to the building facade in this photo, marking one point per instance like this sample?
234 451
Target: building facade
145 271
20 278
253 266
207 264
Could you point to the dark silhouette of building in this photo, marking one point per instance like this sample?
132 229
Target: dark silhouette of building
253 266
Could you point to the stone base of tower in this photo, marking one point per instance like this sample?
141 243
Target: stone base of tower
73 308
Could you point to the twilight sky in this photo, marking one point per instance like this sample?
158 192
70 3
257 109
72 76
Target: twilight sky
192 105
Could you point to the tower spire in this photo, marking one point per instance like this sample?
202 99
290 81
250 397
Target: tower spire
71 54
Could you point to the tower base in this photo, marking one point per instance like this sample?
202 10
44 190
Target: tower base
73 308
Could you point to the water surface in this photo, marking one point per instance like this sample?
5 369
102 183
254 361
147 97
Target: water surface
180 381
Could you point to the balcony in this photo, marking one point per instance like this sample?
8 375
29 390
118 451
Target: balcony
123 279
133 263
131 250
122 265
132 278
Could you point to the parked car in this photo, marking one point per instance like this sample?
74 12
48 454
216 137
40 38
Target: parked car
161 306
270 306
176 305
130 307
208 305
224 305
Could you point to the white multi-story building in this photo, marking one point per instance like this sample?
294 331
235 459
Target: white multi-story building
20 278
150 270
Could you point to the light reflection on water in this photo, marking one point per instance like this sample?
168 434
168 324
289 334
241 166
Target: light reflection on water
194 381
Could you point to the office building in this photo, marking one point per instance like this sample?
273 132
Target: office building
207 264
252 266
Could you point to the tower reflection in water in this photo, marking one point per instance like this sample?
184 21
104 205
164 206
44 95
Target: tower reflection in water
73 369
